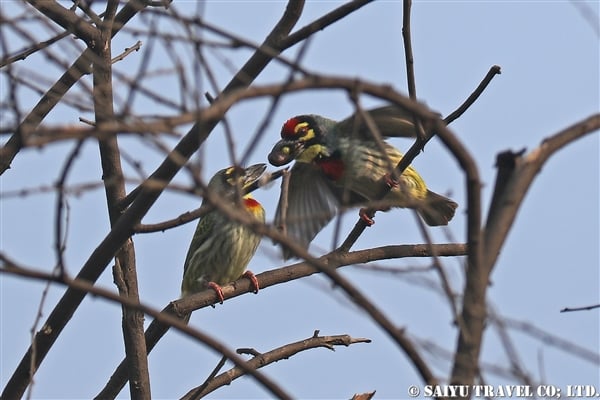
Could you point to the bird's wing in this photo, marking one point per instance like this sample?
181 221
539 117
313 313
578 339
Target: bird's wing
392 121
310 205
203 237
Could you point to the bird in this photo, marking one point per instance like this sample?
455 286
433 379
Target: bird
221 248
341 164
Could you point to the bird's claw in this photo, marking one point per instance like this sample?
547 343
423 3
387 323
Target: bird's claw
217 290
390 181
253 281
363 213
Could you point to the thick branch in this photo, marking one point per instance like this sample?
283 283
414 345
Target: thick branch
80 67
70 21
125 274
167 124
123 227
483 250
522 170
323 22
474 299
9 266
156 330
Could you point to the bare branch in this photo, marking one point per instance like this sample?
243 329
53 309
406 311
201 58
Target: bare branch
70 21
60 203
363 396
10 267
323 22
516 173
156 330
474 299
31 50
516 365
483 250
584 308
127 51
437 265
122 229
410 62
51 98
552 340
416 148
125 267
263 359
494 70
202 210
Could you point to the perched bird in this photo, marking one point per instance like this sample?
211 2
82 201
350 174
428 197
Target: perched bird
221 248
342 164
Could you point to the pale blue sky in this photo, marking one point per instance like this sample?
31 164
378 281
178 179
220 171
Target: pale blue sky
549 57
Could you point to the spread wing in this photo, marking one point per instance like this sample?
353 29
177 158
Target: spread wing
392 121
311 204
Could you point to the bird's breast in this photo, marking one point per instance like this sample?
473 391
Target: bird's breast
254 207
332 167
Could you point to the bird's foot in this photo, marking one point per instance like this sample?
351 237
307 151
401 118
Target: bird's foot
363 213
390 181
253 281
217 290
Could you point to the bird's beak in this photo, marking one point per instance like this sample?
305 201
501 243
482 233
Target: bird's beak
285 151
252 174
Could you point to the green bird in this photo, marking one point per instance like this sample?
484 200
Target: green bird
221 248
340 164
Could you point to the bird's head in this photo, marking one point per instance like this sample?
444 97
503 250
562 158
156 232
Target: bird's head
228 180
301 139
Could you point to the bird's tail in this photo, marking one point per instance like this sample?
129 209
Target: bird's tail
437 209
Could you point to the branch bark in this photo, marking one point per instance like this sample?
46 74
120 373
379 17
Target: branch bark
123 228
83 286
263 359
156 330
80 67
484 244
125 274
67 19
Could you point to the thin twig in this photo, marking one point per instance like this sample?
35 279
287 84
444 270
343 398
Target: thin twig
9 266
584 308
59 236
263 359
202 210
23 54
156 330
213 373
410 63
127 51
54 95
493 71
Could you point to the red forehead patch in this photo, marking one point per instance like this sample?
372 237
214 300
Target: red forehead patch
287 131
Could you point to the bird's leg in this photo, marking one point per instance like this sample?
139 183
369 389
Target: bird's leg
217 290
253 281
363 213
390 181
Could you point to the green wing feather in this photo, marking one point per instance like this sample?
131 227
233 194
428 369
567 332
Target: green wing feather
392 121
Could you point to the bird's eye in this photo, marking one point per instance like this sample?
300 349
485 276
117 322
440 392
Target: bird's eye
232 174
300 128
